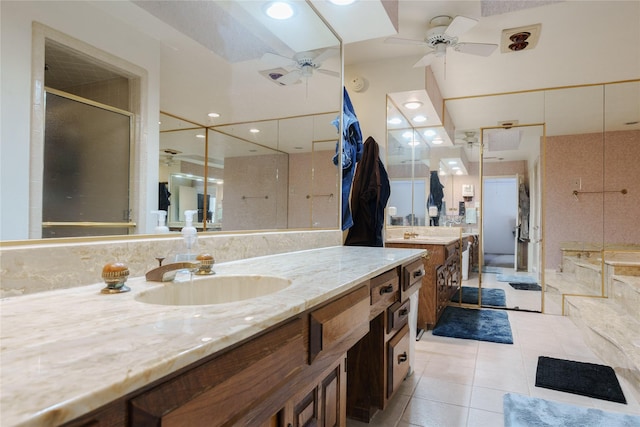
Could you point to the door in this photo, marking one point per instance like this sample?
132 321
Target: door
500 201
86 179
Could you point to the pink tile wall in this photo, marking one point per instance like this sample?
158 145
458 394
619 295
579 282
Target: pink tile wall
601 164
313 174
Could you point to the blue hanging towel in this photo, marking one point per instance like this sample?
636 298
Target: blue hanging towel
351 153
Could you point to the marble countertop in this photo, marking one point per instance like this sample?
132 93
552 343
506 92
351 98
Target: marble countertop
425 240
67 352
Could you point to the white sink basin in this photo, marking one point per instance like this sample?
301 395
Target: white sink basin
214 290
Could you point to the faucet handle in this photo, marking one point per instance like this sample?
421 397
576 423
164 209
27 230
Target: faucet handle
114 275
206 264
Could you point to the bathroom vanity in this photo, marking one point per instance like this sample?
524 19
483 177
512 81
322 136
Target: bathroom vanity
443 274
80 358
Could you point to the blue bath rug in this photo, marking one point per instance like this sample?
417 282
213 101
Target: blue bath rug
490 296
515 279
488 269
525 411
474 324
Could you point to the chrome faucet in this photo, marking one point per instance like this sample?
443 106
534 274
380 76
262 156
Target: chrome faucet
167 272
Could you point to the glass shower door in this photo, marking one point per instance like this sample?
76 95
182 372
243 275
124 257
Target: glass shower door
86 168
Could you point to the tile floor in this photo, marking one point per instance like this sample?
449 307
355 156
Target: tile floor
460 382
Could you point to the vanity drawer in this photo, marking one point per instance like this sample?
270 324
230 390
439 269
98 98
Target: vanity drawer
337 326
412 277
385 290
397 360
453 250
223 388
398 316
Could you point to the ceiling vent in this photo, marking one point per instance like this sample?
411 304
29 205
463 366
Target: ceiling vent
521 38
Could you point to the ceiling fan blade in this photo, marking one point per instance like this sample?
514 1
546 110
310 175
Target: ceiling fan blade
460 25
290 78
328 72
480 49
399 40
327 53
273 60
426 60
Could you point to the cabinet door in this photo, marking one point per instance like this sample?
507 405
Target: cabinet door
398 360
325 404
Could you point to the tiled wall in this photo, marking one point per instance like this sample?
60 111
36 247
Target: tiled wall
601 164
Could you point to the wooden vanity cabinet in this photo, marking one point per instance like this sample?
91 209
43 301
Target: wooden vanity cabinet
441 281
379 362
291 375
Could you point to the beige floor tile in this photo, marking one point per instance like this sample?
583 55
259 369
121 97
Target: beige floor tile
487 399
480 418
427 413
460 382
443 391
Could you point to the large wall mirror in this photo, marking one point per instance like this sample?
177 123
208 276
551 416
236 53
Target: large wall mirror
554 179
270 174
247 108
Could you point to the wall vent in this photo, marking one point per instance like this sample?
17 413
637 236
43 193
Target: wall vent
521 38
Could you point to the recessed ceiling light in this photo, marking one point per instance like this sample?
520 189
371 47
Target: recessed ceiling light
279 10
419 119
213 115
199 135
430 132
395 121
408 134
413 143
458 172
437 141
455 168
412 105
254 130
452 162
342 2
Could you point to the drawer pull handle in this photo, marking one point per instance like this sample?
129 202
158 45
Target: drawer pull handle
402 357
386 290
403 312
418 273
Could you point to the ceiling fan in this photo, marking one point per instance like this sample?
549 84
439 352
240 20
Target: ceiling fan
303 64
470 139
167 156
443 33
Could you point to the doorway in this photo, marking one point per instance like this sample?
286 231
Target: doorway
500 201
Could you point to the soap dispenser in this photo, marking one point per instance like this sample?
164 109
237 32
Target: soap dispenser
189 235
162 222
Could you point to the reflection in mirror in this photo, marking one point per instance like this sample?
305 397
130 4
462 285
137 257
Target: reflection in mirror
270 174
501 136
408 166
279 173
251 70
571 148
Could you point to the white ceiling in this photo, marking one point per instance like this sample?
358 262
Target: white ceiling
581 42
